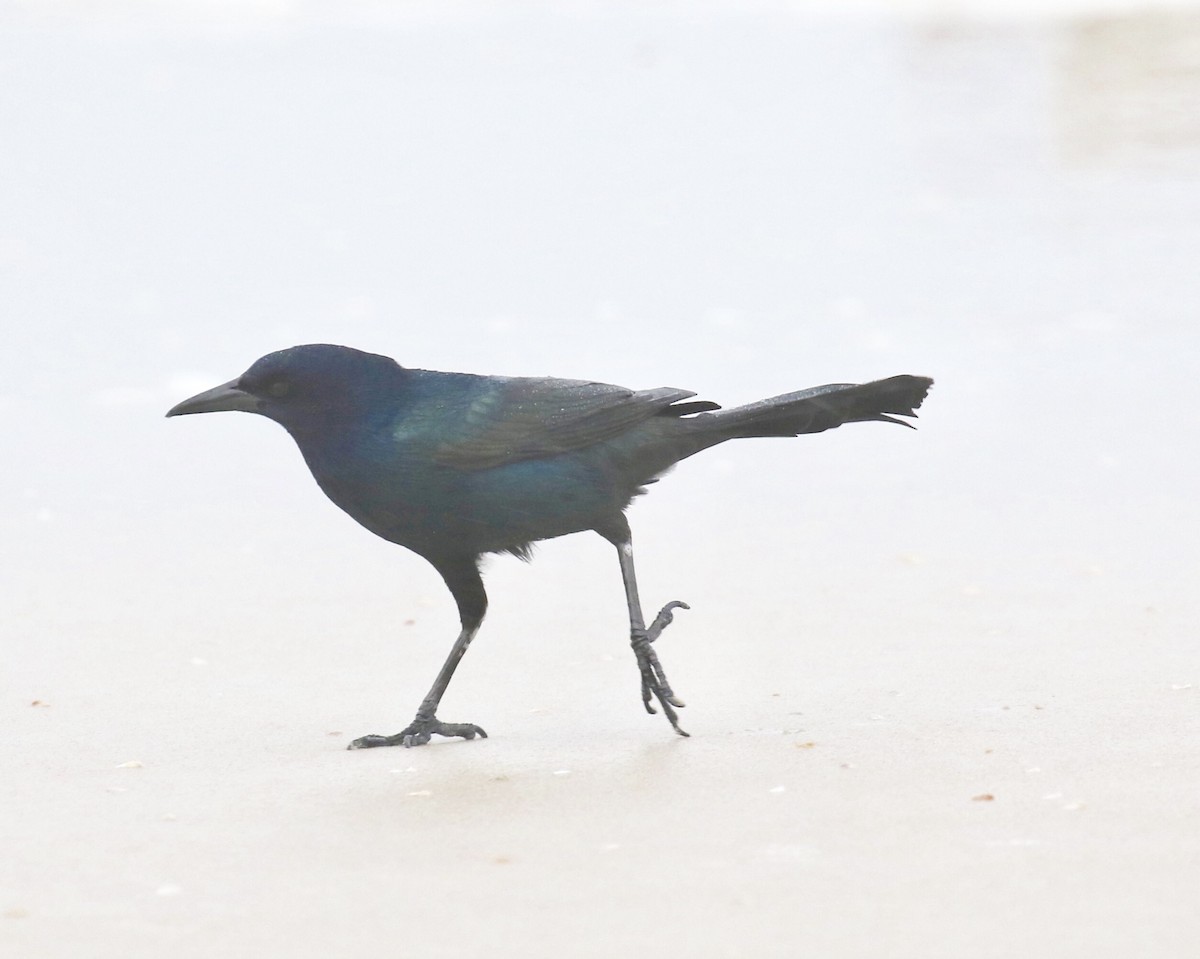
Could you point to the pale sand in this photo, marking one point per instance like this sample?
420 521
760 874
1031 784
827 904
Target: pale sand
943 687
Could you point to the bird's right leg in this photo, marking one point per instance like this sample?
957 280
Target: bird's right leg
467 586
641 636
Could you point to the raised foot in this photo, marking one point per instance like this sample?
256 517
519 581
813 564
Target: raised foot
418 732
654 678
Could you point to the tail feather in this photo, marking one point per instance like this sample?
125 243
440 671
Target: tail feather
824 408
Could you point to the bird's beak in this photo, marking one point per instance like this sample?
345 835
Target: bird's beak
227 396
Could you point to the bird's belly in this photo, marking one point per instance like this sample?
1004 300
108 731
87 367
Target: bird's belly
502 508
538 499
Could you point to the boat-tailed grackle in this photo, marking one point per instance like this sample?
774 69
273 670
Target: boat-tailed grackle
453 465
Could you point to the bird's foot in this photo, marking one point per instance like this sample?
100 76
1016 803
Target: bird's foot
654 678
418 732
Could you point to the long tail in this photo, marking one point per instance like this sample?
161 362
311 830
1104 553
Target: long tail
823 408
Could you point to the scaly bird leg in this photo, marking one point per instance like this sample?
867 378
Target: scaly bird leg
463 579
426 723
654 678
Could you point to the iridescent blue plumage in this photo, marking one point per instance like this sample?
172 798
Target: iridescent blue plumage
453 465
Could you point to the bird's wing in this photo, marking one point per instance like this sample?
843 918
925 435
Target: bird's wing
525 418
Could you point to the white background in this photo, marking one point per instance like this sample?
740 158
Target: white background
739 199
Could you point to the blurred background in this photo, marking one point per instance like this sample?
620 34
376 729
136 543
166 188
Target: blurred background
741 199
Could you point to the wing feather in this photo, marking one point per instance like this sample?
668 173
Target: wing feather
523 418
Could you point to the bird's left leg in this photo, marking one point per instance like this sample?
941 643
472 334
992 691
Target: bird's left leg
641 636
462 576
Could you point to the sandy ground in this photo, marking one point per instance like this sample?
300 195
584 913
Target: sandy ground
943 686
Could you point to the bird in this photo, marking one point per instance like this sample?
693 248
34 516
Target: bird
454 466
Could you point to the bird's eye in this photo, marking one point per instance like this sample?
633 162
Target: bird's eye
279 388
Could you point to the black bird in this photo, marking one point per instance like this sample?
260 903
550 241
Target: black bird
453 465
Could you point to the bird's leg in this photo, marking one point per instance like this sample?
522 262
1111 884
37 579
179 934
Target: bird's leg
654 678
472 602
426 723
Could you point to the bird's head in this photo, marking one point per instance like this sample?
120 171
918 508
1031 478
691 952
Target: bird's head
305 386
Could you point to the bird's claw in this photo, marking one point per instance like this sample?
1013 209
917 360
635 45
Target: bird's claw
654 678
664 619
418 733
